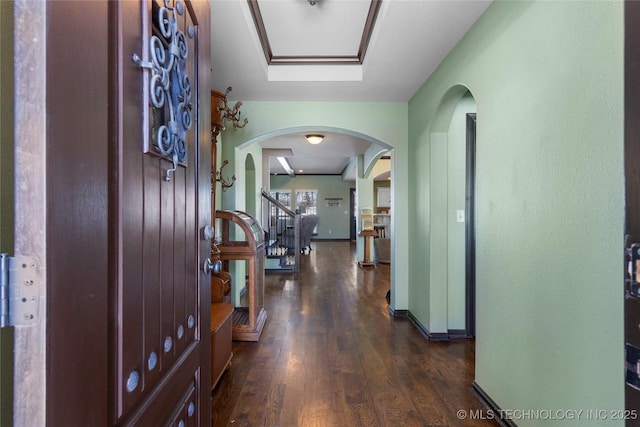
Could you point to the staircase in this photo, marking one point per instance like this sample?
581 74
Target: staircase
282 228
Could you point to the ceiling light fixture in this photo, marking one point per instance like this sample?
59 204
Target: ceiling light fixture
314 139
287 167
313 2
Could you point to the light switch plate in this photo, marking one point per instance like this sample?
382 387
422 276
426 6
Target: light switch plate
460 216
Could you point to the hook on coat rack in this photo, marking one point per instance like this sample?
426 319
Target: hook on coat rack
224 182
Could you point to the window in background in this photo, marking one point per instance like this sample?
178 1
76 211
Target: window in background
283 197
307 202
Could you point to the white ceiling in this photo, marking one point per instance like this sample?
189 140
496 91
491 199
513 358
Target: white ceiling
329 157
333 61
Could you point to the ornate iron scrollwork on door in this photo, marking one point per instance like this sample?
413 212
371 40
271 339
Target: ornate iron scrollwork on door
169 86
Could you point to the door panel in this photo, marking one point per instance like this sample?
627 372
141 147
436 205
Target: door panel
151 272
166 401
632 194
158 341
183 308
353 214
77 174
122 271
470 229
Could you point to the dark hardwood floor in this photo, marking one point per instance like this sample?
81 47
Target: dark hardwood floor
330 355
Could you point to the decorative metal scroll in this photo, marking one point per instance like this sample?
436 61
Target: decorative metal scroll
170 86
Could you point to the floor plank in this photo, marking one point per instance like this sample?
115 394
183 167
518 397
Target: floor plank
330 355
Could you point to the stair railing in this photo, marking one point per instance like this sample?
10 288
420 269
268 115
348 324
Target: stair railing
282 227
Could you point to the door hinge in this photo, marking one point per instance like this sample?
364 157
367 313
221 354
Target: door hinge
632 258
19 290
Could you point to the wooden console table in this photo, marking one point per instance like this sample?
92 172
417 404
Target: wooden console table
247 245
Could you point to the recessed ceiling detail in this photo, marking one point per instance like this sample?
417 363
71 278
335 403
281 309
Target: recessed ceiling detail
328 33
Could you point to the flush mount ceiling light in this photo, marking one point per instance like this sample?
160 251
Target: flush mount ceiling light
314 138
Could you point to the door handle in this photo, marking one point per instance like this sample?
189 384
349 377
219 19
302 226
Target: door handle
212 267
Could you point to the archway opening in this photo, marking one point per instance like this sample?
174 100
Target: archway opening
332 205
452 214
250 192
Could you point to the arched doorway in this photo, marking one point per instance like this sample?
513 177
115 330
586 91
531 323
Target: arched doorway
358 170
250 192
452 225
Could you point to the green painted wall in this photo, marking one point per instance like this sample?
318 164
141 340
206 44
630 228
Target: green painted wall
547 78
246 192
438 232
6 196
333 221
6 127
236 197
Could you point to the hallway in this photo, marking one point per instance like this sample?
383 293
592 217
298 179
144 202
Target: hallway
330 355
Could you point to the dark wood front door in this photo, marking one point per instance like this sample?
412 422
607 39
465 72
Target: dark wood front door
128 307
470 229
160 198
353 214
632 207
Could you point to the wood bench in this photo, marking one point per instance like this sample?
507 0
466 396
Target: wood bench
221 331
221 326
